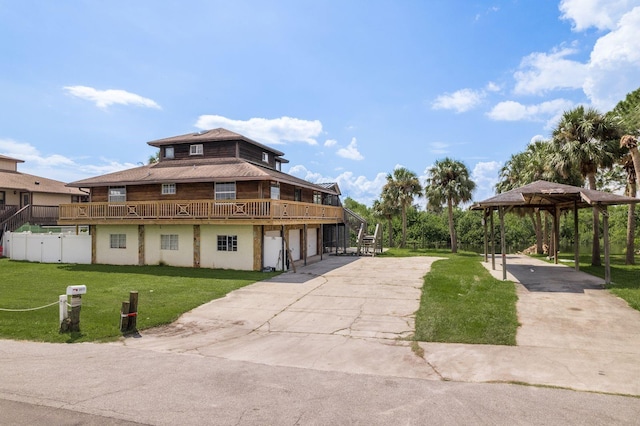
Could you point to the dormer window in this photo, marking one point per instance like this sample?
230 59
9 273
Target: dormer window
196 149
168 152
265 157
279 165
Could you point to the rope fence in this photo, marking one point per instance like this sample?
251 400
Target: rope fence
32 309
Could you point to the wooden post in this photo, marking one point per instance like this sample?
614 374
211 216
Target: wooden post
503 244
486 242
124 317
493 244
556 235
576 244
74 315
133 311
607 263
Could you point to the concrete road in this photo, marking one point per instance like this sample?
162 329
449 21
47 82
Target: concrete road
327 346
86 384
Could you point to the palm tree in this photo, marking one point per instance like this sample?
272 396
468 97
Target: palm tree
583 139
386 208
403 185
531 165
448 182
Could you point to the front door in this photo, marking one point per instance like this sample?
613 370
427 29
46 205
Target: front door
25 198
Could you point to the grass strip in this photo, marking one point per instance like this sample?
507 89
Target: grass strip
164 294
462 303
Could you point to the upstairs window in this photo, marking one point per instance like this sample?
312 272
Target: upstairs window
317 197
265 157
275 191
196 149
169 152
168 188
225 190
297 194
117 194
279 165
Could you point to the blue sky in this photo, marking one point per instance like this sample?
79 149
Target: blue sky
348 90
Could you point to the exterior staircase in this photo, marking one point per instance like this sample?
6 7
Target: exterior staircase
12 218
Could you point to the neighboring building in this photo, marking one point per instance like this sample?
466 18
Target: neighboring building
215 199
28 198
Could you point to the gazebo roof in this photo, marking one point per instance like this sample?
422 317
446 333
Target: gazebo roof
548 195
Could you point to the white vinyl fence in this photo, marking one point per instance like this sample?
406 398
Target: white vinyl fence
47 248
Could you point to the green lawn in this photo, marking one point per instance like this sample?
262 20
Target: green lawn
164 294
462 303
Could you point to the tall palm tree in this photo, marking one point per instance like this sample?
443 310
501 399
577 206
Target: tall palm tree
448 182
387 208
583 139
404 185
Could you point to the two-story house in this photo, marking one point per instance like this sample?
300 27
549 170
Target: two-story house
26 198
214 199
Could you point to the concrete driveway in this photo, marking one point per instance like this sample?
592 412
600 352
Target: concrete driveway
348 314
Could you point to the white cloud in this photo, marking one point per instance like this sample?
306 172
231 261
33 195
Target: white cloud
492 87
438 148
330 142
106 98
601 14
537 138
360 188
56 166
515 111
485 175
351 151
275 131
29 154
541 72
460 101
615 63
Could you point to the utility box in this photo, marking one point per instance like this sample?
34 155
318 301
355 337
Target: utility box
76 290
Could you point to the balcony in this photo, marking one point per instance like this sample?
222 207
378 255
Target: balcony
264 211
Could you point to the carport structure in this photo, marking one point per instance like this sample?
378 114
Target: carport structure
553 198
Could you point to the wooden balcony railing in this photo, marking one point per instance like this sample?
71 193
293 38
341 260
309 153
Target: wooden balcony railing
199 209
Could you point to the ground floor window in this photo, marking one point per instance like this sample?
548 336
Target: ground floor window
118 241
227 243
169 242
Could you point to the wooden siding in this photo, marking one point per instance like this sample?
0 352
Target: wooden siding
220 149
254 153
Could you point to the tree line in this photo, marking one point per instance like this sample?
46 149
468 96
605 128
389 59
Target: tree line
586 148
